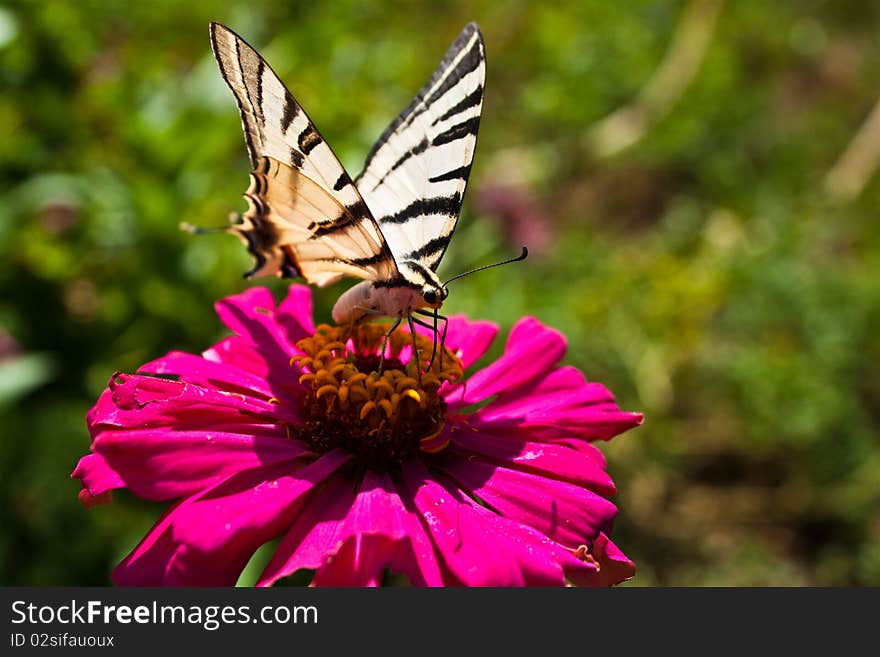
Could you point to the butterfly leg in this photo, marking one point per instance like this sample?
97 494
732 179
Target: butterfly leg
435 316
443 338
385 341
433 328
415 356
363 318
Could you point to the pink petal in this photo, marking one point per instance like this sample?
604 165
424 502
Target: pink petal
478 547
97 477
237 310
587 449
164 464
552 460
242 354
151 561
382 534
561 404
566 423
209 374
315 534
146 401
104 407
251 315
469 340
466 339
612 565
568 514
563 387
616 565
362 560
532 350
295 313
268 502
207 539
350 539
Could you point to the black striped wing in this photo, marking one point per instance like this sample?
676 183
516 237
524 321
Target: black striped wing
416 173
305 215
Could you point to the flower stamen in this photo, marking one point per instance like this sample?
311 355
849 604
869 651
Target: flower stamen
385 418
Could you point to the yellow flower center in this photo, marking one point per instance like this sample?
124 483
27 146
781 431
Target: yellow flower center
385 418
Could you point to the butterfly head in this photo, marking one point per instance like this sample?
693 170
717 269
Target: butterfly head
434 295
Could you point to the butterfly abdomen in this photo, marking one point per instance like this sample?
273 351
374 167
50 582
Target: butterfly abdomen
371 298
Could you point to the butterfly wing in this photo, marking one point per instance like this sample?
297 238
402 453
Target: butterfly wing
416 173
305 215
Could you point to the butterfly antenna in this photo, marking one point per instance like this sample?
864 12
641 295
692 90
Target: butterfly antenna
234 217
521 256
200 230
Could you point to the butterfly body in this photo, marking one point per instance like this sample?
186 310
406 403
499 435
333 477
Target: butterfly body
389 226
369 299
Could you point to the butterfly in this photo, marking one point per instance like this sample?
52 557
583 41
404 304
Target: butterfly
389 226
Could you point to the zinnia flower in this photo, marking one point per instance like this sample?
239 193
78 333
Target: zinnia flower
287 430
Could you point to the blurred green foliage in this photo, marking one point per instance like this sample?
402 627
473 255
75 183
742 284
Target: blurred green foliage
707 273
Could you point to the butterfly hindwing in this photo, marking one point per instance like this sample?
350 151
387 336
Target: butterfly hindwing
415 176
294 227
305 215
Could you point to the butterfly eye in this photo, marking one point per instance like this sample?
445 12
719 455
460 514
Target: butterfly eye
430 297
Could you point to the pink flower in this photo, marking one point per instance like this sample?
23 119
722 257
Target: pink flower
284 431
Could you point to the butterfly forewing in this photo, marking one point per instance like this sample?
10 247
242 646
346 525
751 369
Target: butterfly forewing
305 215
415 176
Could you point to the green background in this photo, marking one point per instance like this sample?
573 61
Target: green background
708 250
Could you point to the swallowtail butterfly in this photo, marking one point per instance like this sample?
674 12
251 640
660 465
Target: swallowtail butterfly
391 225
